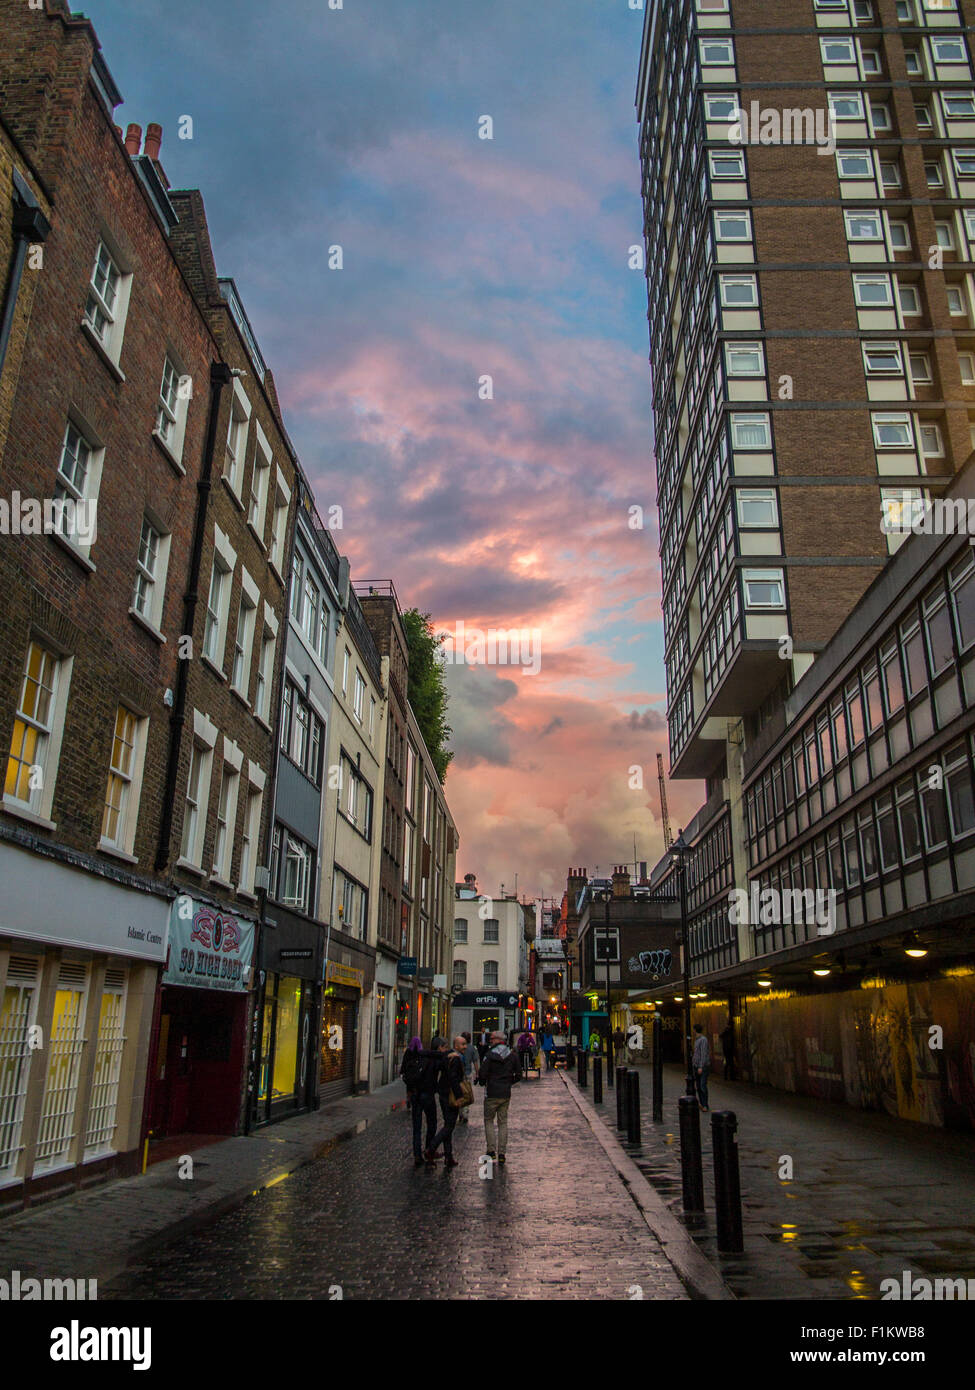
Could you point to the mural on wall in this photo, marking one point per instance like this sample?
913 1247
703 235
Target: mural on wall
875 1048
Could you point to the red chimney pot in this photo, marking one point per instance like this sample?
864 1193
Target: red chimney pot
153 140
133 139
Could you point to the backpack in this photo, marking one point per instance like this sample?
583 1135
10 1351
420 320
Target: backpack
416 1070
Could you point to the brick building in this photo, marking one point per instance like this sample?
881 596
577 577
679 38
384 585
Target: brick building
91 413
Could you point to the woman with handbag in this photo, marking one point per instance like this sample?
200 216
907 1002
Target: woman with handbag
455 1094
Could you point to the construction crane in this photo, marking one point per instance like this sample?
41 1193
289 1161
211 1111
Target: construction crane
664 817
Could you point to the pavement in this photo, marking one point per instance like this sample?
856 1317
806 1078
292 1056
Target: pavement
869 1196
330 1206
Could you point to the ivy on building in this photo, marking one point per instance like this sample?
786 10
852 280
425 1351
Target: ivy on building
427 687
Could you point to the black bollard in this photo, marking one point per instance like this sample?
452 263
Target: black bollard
609 1062
632 1081
597 1080
583 1068
691 1170
620 1099
658 1068
727 1187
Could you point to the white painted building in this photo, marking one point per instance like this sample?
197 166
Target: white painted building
490 967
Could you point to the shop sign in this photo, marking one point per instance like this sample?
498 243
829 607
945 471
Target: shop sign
406 965
208 948
337 974
470 999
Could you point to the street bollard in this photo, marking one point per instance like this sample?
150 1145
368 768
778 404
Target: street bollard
597 1080
609 1063
658 1068
727 1187
583 1068
632 1081
620 1098
691 1170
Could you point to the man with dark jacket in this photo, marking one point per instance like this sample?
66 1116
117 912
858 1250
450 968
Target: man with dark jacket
421 1075
450 1082
499 1070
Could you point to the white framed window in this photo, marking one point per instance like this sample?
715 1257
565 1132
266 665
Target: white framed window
892 430
949 50
217 602
257 503
922 115
727 164
970 223
151 566
123 790
102 1115
870 62
195 803
490 975
964 163
966 366
921 368
933 174
226 817
77 484
830 4
745 359
299 860
372 717
900 236
65 1047
346 659
107 304
358 698
757 508
236 448
265 675
900 508
311 606
279 528
733 226
739 291
243 642
35 743
913 62
944 236
751 432
712 6
932 445
909 299
904 11
764 588
872 291
250 836
846 106
716 53
863 226
721 108
838 51
175 391
862 11
880 116
854 164
890 173
958 105
882 359
956 301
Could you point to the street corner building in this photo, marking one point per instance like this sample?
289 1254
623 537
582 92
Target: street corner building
812 325
217 844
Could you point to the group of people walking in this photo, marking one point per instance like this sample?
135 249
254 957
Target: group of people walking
449 1072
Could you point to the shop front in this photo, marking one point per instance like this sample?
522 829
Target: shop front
475 1010
197 1079
348 979
291 970
386 1025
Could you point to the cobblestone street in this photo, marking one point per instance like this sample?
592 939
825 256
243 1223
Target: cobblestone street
870 1196
555 1223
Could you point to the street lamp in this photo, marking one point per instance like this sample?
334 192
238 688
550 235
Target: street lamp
678 857
607 897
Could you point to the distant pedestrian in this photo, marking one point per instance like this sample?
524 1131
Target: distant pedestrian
499 1071
450 1083
526 1050
471 1065
420 1072
548 1047
595 1043
701 1062
728 1048
483 1043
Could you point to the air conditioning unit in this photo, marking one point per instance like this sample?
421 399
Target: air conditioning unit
262 877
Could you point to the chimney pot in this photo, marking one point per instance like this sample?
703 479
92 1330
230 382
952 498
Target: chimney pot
133 139
153 140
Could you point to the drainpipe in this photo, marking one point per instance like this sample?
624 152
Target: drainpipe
220 376
30 226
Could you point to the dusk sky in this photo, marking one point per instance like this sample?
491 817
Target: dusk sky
463 257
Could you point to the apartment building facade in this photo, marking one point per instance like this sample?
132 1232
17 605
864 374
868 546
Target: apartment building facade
104 408
809 218
490 959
